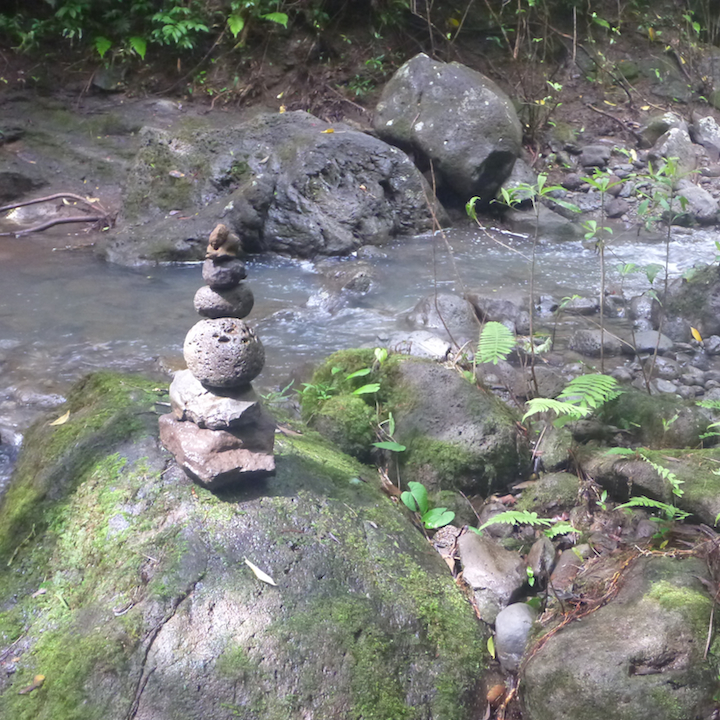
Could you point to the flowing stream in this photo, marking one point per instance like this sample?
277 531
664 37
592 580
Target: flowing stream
64 313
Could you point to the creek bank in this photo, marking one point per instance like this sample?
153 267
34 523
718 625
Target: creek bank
127 587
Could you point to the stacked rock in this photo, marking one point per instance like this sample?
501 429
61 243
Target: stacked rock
218 431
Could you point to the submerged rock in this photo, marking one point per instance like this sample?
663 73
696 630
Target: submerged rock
148 608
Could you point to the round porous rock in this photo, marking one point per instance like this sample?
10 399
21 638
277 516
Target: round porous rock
223 352
236 302
223 275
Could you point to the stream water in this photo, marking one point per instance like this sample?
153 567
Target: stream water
64 313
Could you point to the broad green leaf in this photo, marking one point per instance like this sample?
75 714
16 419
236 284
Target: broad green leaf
491 646
276 17
236 24
358 373
437 518
102 45
390 445
365 389
420 494
139 45
409 501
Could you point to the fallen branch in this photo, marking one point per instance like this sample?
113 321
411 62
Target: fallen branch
104 217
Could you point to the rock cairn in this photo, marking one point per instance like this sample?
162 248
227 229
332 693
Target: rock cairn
218 431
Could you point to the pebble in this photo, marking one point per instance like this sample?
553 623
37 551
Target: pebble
234 302
222 275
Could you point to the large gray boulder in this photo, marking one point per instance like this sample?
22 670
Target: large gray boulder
129 591
287 183
640 656
456 119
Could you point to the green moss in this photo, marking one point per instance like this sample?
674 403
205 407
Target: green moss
103 408
234 663
552 491
694 605
347 421
449 462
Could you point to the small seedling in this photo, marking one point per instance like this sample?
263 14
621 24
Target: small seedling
416 500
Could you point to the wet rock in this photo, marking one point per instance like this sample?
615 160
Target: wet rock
712 345
676 143
457 437
552 493
640 656
646 341
645 311
548 224
554 449
445 312
512 632
541 558
591 342
223 353
706 132
581 306
279 182
663 367
567 568
595 156
699 205
223 275
495 575
218 458
354 277
236 302
658 125
214 409
497 530
522 175
617 207
422 344
455 117
656 421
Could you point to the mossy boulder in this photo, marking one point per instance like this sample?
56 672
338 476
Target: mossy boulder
656 420
126 586
551 493
640 656
645 473
457 436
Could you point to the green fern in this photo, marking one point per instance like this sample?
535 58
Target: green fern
496 343
516 517
578 400
670 511
673 480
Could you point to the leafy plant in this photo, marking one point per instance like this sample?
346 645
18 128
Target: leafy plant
581 397
663 472
416 500
670 511
496 343
551 528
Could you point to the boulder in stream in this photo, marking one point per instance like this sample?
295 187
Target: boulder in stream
456 119
288 183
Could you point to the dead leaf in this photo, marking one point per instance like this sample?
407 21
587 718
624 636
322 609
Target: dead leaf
37 682
259 574
39 592
282 109
696 334
176 174
495 695
326 132
61 420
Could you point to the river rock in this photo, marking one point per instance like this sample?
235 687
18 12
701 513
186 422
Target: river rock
595 156
455 118
223 275
589 342
706 132
422 344
218 458
223 353
217 409
234 302
541 558
288 183
496 575
566 570
658 125
547 223
512 632
700 206
446 313
676 143
639 656
646 341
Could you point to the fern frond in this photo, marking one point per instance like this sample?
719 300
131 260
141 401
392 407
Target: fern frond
539 405
496 343
517 517
670 511
590 391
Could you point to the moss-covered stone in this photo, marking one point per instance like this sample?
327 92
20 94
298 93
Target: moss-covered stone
146 603
551 492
